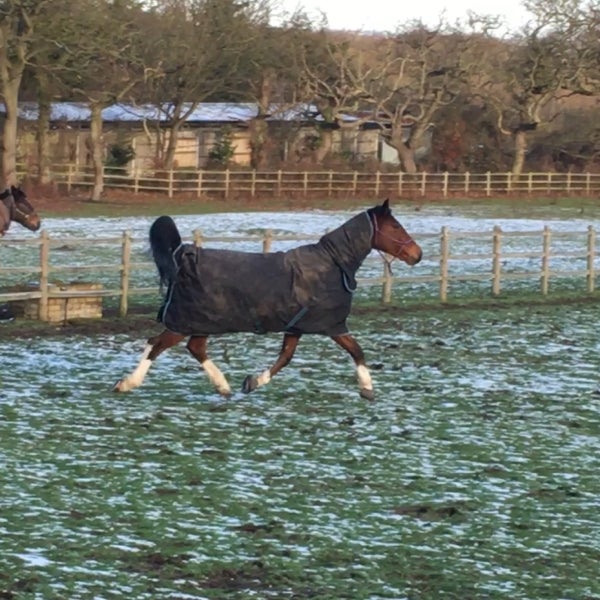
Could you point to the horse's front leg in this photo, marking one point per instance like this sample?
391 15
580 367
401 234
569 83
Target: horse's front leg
350 345
197 347
288 347
155 346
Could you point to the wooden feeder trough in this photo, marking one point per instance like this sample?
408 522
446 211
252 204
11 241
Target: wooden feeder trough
63 302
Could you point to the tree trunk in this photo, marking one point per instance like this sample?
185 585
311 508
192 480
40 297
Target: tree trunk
10 89
97 150
406 156
406 153
258 139
520 151
172 144
324 148
259 128
43 142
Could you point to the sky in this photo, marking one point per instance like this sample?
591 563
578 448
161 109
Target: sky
384 15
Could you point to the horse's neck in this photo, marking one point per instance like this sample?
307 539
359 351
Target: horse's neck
350 243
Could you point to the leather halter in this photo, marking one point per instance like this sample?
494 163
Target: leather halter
398 243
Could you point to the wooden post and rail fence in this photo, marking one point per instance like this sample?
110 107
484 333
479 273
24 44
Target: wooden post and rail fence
439 272
226 183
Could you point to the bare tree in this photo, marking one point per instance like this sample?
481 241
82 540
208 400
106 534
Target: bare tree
425 71
554 57
197 54
101 55
337 81
18 20
402 83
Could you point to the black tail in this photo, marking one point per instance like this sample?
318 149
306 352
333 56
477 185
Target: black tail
164 240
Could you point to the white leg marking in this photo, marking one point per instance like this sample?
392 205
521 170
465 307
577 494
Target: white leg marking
263 378
216 377
364 378
136 378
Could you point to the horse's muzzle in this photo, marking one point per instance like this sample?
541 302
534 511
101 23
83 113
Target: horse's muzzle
413 255
33 224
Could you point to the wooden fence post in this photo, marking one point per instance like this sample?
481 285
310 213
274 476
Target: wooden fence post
227 183
279 179
591 255
588 179
467 182
488 183
330 183
125 270
445 185
253 184
400 182
386 286
423 183
305 183
170 184
199 184
197 238
267 241
496 260
377 182
444 256
69 177
354 182
136 181
545 275
44 273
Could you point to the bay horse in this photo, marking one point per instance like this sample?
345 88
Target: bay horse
14 206
306 290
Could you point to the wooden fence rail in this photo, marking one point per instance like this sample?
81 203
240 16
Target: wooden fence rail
228 183
438 269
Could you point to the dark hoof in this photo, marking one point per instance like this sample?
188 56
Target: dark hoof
367 394
250 384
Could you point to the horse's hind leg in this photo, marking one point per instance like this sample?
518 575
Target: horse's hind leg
197 348
350 345
288 347
155 346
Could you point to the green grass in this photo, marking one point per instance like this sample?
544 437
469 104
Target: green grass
472 476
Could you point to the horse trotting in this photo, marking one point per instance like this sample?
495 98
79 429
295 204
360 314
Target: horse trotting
302 291
14 206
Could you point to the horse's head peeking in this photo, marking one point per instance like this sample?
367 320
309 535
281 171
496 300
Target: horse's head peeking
390 237
23 211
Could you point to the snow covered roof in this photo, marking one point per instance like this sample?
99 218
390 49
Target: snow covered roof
208 112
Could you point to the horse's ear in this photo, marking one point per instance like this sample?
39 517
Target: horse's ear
386 206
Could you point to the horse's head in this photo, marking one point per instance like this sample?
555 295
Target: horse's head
23 212
390 237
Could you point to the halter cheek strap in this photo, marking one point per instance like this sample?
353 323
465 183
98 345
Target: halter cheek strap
17 211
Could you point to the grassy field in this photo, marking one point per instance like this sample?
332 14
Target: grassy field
472 476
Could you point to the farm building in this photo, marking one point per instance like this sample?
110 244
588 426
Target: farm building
145 129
